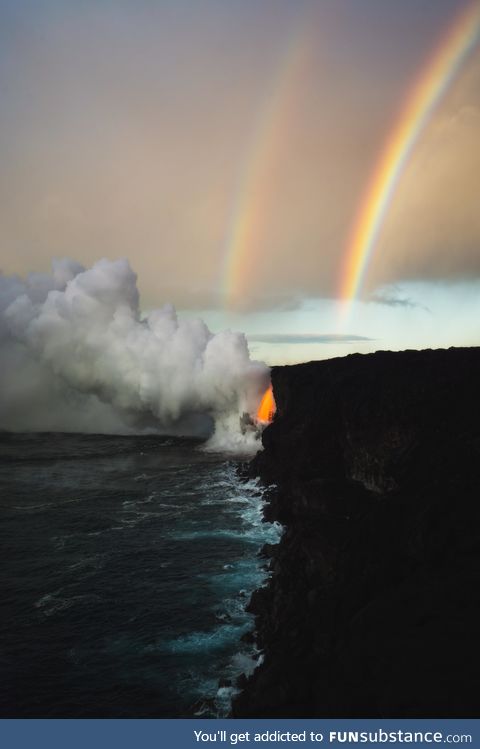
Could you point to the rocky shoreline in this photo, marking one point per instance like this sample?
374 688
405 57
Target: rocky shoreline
373 606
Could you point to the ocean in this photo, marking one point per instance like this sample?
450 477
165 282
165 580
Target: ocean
127 564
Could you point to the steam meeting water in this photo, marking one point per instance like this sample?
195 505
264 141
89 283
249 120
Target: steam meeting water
127 565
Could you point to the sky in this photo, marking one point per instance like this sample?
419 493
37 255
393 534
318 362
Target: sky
225 149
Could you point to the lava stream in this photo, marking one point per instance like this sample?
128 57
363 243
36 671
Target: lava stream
267 407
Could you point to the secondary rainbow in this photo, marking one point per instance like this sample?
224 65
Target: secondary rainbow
425 95
256 184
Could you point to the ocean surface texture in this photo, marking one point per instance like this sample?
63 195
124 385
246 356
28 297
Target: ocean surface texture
127 564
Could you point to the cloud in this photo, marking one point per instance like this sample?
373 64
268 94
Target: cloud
391 299
305 338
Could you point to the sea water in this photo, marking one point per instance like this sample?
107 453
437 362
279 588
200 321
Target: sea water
127 564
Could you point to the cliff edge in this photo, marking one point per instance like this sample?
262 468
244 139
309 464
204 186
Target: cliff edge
372 608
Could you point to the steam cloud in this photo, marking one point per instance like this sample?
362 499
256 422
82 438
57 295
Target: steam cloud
77 355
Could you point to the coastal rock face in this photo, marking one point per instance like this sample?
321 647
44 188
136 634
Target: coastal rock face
373 606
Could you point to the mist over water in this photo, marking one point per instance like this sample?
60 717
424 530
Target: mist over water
128 561
77 355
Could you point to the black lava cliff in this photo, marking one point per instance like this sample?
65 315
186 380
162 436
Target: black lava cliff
373 605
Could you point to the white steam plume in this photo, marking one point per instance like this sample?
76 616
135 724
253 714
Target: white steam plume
78 356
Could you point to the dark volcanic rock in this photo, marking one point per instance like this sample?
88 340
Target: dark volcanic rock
373 605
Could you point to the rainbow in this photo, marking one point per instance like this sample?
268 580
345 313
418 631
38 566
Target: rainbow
257 181
420 103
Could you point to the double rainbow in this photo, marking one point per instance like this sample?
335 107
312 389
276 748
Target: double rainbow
425 95
257 184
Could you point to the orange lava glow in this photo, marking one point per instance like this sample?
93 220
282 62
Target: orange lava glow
267 407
